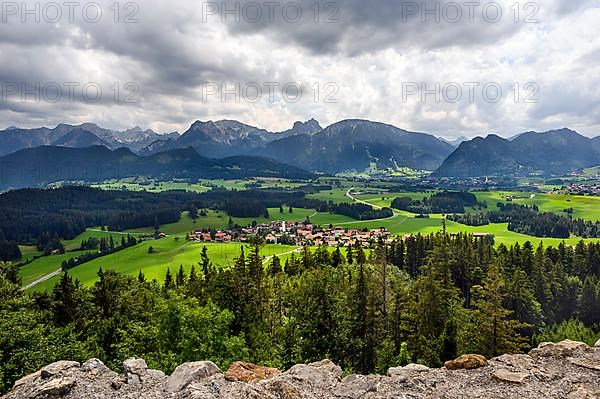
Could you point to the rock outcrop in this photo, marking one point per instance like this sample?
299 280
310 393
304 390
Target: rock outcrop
466 362
567 369
248 372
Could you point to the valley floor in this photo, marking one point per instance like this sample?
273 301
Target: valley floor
174 251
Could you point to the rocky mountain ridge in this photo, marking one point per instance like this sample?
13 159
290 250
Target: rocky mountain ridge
79 136
567 369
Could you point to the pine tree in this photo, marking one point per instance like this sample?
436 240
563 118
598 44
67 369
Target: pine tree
363 351
498 332
307 259
275 266
361 258
589 303
169 284
64 301
10 272
337 258
521 300
141 278
349 254
193 276
181 277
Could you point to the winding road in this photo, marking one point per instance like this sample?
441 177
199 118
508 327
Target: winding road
377 207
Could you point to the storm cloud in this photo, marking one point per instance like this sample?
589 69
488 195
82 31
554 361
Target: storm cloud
433 66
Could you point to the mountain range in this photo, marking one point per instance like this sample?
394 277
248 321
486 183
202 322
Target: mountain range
555 152
78 136
349 145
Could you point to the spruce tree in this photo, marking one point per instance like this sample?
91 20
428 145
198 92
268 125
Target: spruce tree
361 258
181 277
589 303
64 301
337 258
349 254
498 332
169 284
275 266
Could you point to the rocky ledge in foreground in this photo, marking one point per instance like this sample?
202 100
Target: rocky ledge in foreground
565 370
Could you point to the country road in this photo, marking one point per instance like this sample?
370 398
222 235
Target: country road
377 207
349 195
42 279
268 258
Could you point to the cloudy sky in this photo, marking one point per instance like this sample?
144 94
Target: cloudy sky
448 68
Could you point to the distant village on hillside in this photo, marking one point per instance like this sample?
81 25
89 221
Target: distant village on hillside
297 233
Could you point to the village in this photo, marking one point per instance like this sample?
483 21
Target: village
584 189
297 233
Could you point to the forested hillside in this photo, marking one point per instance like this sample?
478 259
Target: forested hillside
422 299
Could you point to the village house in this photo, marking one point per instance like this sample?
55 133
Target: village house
297 233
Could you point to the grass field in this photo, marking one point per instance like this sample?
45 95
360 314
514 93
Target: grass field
133 184
45 265
592 172
48 264
28 252
406 223
168 254
74 244
219 220
584 207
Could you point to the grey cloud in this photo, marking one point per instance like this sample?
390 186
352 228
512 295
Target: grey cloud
371 25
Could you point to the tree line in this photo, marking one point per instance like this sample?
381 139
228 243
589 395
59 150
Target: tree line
529 220
9 250
421 299
440 202
44 216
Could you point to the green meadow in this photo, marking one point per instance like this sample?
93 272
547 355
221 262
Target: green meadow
48 264
96 232
173 251
132 184
219 220
584 207
44 265
167 253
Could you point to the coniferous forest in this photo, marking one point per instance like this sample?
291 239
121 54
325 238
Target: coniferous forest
420 299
